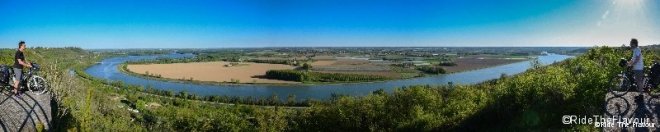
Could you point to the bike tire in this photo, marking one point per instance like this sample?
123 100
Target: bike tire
619 85
618 108
37 85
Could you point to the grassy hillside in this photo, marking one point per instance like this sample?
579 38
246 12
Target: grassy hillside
534 100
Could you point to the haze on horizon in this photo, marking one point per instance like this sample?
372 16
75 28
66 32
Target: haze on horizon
327 23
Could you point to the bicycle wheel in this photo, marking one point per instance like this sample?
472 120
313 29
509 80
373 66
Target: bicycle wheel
653 103
37 85
619 85
616 107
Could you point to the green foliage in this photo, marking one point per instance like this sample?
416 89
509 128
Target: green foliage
7 57
417 108
289 75
305 76
431 69
193 117
286 62
306 67
272 120
446 63
533 100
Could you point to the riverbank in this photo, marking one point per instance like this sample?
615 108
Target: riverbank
110 69
230 73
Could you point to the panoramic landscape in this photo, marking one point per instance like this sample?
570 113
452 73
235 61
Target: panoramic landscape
330 65
266 65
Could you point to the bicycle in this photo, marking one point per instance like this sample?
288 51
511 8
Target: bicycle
30 81
625 80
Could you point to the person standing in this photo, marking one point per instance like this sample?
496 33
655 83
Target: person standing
19 63
637 63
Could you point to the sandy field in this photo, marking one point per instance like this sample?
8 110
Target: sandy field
212 71
348 66
323 62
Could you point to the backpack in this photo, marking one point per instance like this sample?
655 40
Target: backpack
654 75
4 74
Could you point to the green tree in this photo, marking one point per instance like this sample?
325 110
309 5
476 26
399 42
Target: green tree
306 66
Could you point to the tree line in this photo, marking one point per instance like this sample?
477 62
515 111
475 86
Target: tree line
431 69
308 76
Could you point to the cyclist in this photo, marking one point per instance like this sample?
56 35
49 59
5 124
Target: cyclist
19 63
637 63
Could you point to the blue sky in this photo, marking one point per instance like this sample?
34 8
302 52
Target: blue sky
320 23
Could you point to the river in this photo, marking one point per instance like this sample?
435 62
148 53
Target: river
108 69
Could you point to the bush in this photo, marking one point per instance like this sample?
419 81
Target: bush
306 66
431 69
447 64
304 76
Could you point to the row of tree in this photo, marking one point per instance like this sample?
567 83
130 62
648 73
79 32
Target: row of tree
431 69
447 63
308 76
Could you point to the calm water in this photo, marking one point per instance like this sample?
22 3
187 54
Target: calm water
107 69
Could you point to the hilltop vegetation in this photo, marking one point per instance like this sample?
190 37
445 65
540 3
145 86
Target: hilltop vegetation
534 100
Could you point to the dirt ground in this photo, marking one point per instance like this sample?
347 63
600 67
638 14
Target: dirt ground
370 68
349 66
212 71
323 62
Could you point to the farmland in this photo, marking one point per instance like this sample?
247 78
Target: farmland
249 65
212 71
480 61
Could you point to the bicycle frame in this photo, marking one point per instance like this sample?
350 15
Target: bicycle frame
629 76
24 79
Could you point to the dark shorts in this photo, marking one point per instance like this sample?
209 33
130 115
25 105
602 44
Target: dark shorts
639 75
18 74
